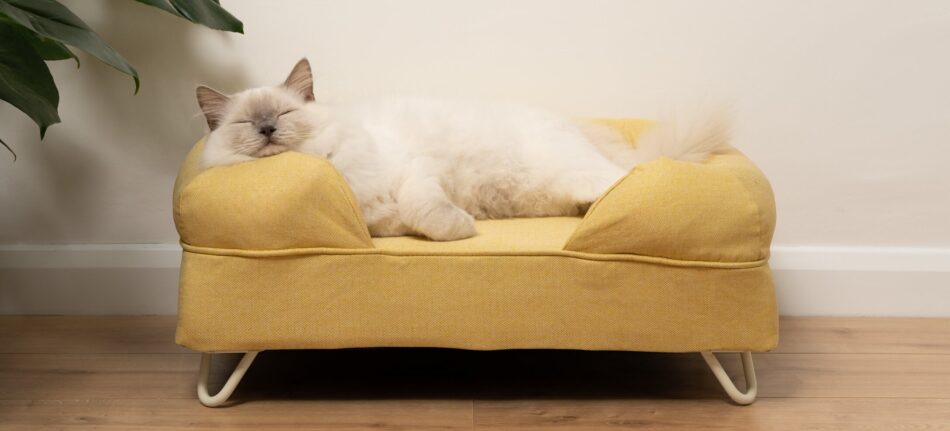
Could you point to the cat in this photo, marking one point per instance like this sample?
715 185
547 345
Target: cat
431 168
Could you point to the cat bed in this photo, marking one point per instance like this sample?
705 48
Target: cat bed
673 258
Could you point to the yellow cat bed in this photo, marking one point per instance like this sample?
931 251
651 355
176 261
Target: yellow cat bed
673 258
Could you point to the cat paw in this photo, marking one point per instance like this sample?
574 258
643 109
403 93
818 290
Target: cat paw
451 225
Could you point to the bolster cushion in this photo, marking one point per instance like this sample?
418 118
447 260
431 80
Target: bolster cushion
290 200
722 210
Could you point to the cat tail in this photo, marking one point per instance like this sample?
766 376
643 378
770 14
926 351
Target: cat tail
688 138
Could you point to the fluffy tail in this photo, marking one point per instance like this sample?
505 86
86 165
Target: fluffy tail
690 138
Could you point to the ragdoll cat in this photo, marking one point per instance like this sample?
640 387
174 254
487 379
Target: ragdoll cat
430 168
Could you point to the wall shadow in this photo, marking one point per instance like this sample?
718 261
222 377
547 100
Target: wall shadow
116 153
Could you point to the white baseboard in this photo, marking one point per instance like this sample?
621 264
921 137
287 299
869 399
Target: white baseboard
143 278
862 281
89 279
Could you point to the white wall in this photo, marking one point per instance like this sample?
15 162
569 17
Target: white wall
845 105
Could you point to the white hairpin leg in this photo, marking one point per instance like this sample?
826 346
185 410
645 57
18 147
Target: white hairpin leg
751 387
222 396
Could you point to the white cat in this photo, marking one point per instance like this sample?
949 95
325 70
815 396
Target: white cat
430 168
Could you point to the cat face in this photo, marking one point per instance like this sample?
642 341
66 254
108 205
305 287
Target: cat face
264 121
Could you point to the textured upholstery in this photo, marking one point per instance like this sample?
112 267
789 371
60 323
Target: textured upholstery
722 210
672 258
290 200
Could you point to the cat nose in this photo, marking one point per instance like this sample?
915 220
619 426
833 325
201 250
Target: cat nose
268 130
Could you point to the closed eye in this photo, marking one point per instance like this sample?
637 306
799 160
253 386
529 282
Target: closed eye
241 122
286 112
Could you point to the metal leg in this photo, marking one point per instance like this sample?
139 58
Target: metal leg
741 398
222 396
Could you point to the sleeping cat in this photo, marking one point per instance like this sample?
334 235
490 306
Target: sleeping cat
430 168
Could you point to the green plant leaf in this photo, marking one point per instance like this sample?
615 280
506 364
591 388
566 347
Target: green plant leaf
8 149
49 49
205 12
25 81
52 50
50 19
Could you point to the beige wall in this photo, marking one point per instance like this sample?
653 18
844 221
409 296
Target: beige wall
844 104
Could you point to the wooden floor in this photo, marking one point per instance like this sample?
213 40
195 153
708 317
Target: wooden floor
125 373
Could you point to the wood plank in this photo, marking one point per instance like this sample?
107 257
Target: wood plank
126 373
163 414
453 374
96 376
581 415
88 334
852 375
686 376
864 335
767 414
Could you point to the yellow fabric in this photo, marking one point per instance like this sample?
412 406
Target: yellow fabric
485 246
509 235
230 303
672 258
721 210
286 201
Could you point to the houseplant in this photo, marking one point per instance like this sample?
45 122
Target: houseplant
33 32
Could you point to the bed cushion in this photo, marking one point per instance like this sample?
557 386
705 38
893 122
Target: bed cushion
525 235
672 258
721 211
291 200
375 298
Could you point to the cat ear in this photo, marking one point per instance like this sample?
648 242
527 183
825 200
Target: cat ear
300 80
212 104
